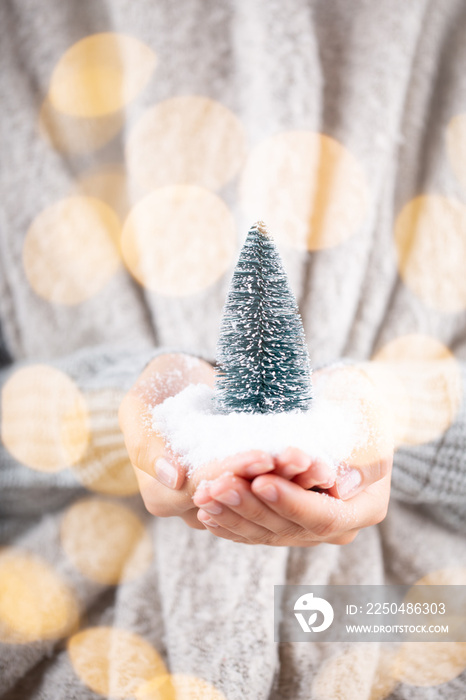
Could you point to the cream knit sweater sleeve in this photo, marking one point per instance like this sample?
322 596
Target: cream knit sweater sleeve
102 375
434 474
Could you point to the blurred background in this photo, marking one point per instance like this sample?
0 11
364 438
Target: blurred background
139 142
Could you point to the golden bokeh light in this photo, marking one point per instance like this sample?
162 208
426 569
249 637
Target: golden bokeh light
105 466
430 588
108 184
71 250
186 140
100 74
45 423
350 387
35 604
158 688
106 541
450 576
430 238
113 662
393 393
348 675
308 187
429 664
384 682
431 381
77 135
178 686
178 240
456 146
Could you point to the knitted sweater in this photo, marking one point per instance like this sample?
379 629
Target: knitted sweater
338 123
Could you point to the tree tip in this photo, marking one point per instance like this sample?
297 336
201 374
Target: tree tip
261 227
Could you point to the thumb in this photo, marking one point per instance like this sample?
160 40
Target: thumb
146 449
353 479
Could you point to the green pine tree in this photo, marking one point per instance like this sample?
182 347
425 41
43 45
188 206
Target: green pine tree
262 359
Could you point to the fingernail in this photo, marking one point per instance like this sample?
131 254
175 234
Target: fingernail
207 521
269 493
211 523
212 507
230 497
291 470
202 493
258 468
166 473
348 483
325 475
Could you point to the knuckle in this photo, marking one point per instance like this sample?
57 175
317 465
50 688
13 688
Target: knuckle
257 539
159 506
291 532
328 527
379 509
160 510
233 521
293 510
266 538
381 514
347 538
195 526
287 454
257 514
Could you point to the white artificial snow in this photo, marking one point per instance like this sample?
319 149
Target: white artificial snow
198 434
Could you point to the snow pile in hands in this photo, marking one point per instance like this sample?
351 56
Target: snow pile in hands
198 434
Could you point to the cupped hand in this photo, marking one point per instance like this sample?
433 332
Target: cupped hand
280 509
161 475
275 511
229 497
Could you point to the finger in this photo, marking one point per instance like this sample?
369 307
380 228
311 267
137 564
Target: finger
246 464
319 473
238 506
291 461
216 529
345 538
249 464
351 480
236 525
306 471
143 445
318 512
165 376
160 500
146 449
192 520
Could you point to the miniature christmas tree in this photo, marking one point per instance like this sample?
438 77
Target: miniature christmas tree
262 358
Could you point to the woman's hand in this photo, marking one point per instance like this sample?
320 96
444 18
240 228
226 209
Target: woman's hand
233 506
165 376
161 476
277 508
275 511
